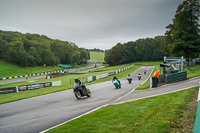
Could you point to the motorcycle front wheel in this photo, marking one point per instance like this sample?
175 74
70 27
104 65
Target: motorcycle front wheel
77 94
89 94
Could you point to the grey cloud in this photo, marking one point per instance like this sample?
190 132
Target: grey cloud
89 23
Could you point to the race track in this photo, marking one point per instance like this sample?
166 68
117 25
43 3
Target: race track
40 113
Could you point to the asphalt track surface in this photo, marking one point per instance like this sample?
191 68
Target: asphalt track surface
36 114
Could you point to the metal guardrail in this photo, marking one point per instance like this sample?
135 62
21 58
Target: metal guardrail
197 120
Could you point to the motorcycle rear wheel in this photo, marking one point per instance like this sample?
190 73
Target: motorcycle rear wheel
77 94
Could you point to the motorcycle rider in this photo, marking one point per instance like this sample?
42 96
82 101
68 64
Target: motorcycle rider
145 71
129 76
139 76
115 78
78 81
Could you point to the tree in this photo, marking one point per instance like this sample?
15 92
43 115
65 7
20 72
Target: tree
107 57
116 54
19 55
183 36
76 57
84 55
33 57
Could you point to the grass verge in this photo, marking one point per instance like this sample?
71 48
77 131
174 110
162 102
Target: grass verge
192 71
161 114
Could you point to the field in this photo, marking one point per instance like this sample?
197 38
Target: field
97 56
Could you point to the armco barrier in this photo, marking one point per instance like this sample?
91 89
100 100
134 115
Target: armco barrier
93 78
197 120
31 75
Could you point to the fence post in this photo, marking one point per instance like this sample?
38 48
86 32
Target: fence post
197 120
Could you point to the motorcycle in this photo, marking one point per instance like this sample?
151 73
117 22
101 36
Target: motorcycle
139 76
129 80
145 72
116 83
81 91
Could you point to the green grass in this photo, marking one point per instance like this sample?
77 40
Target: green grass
97 56
10 70
159 114
65 83
192 71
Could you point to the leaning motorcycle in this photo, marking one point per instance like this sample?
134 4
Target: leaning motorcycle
139 76
81 91
116 83
129 80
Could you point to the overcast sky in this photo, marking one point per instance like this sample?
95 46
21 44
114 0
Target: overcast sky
89 23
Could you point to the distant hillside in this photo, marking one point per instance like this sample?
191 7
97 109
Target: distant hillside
97 56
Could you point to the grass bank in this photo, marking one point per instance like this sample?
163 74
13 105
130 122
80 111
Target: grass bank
97 56
10 70
192 71
161 114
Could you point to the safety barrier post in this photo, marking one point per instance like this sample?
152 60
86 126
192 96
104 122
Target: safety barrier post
197 120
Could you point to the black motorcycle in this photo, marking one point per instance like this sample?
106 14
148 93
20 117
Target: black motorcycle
139 76
129 80
81 91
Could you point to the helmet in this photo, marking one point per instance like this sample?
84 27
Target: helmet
76 80
114 76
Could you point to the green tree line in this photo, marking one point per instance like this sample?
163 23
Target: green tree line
183 35
95 50
36 50
182 38
149 49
